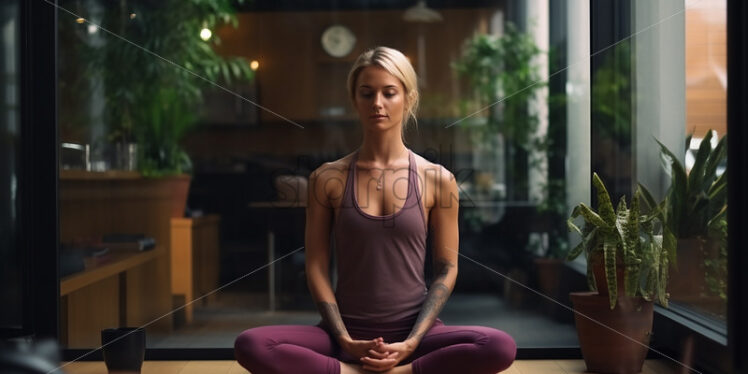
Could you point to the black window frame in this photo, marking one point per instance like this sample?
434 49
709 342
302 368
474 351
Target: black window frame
737 118
38 226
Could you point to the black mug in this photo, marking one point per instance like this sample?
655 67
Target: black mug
123 348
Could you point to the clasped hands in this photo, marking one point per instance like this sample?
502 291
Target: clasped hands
376 355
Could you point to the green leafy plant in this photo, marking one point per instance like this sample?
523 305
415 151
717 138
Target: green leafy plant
501 67
504 78
695 205
168 120
611 85
697 200
153 84
622 234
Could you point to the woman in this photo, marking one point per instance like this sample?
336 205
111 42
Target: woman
380 203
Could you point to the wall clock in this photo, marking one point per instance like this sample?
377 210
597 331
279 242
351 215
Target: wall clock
338 40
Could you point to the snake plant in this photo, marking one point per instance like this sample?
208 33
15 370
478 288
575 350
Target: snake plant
627 234
695 205
696 201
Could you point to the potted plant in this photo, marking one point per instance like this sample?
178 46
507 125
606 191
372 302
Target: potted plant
694 213
501 132
153 74
497 66
627 269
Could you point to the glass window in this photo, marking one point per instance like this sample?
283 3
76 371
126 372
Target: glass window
680 96
187 134
254 106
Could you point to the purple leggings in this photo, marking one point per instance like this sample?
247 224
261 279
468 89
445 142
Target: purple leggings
283 349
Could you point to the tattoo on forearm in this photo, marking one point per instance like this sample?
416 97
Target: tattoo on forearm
331 315
435 300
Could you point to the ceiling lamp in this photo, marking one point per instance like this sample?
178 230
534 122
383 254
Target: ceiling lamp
421 13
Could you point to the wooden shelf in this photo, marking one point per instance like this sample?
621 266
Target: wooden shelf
118 262
99 175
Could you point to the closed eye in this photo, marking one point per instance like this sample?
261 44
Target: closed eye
368 95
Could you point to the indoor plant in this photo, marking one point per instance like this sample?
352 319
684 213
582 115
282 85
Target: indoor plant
504 76
628 267
153 73
157 61
694 213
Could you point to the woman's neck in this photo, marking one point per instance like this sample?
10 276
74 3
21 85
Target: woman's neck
382 150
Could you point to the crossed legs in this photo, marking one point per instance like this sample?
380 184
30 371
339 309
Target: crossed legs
310 349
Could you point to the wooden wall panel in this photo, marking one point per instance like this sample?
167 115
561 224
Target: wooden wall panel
297 79
706 68
296 75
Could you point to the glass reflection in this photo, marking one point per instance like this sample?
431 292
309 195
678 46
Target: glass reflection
138 129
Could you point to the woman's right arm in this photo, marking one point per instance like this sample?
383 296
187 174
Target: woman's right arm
319 218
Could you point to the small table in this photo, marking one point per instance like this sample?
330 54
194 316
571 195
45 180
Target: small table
271 240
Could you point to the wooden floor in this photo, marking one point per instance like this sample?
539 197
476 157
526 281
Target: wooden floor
231 367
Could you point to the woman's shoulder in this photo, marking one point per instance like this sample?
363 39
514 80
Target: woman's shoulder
431 171
332 169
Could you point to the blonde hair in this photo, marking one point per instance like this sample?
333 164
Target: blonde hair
395 63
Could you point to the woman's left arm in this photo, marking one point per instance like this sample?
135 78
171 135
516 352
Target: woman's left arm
445 236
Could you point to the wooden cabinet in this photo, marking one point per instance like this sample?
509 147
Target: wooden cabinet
194 261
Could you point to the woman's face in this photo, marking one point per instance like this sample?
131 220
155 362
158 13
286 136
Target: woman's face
380 98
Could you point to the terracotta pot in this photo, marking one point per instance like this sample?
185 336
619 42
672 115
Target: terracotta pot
687 282
180 187
601 280
605 351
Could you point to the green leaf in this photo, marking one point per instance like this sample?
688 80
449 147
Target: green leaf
720 215
717 191
604 205
696 176
677 193
649 200
235 70
592 218
573 227
590 274
584 245
225 71
632 226
609 251
715 159
663 278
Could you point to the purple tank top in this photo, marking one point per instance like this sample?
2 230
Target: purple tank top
380 259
